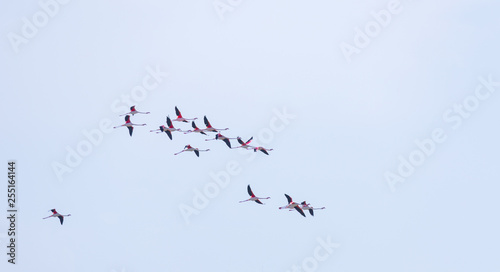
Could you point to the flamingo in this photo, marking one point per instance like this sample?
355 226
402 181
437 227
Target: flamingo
129 125
209 126
264 150
190 148
196 129
56 214
168 130
134 111
292 205
306 206
244 144
180 118
221 137
253 197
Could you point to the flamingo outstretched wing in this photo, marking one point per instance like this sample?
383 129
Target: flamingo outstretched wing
249 190
206 122
300 211
240 141
169 122
178 112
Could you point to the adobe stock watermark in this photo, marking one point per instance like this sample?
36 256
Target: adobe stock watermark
221 179
94 137
373 28
222 7
453 116
30 26
321 253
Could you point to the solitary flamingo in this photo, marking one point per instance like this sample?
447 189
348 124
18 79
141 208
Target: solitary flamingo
56 214
306 206
168 130
244 144
134 111
196 129
129 125
209 126
180 118
264 150
190 148
221 137
292 205
253 197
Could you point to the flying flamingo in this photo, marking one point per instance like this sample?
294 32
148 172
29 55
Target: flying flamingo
56 214
264 150
129 125
306 206
134 111
168 130
196 129
244 144
190 148
253 197
292 205
180 118
221 137
209 126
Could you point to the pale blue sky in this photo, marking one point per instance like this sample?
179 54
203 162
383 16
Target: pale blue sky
349 121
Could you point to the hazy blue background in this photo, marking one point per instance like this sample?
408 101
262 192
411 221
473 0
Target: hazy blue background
352 122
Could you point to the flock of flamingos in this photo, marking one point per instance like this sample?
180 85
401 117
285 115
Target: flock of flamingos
299 207
170 128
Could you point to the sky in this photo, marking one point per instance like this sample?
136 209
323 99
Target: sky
384 112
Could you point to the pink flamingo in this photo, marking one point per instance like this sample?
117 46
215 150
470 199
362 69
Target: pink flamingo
129 125
264 150
196 129
223 138
253 197
292 205
306 206
209 126
180 118
244 144
168 130
134 111
190 148
56 214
